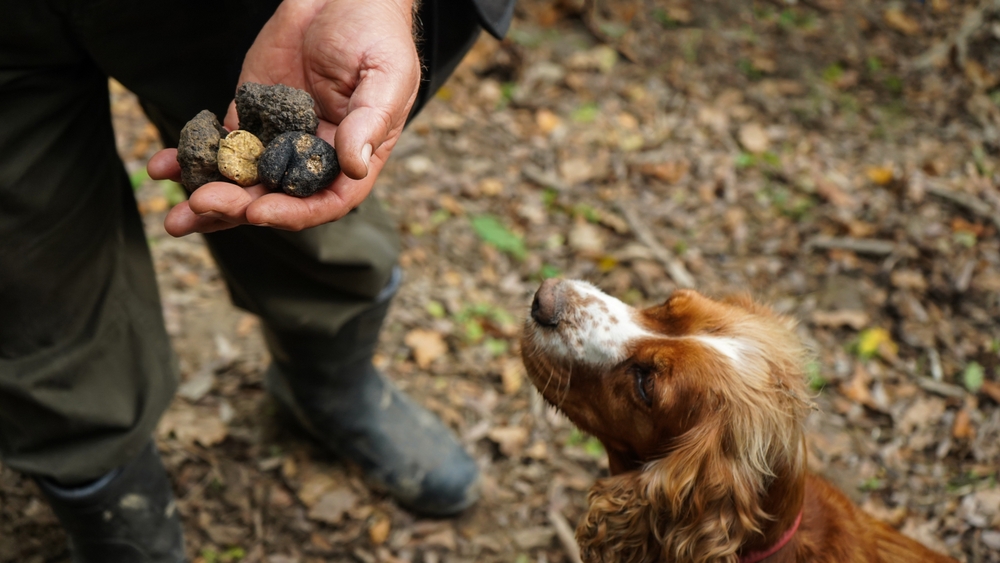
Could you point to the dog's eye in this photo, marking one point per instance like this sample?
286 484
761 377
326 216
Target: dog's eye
643 384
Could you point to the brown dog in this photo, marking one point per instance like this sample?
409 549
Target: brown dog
699 404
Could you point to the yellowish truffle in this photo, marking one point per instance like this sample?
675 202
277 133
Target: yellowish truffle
238 155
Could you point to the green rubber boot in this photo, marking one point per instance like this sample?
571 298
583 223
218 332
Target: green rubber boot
127 516
342 400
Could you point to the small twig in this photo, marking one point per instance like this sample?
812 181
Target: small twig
566 536
972 21
970 202
542 177
941 388
675 268
937 372
860 245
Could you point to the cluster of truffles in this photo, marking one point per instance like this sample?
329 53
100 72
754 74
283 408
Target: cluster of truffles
276 144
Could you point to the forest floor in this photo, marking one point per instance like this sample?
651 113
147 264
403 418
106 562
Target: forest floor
835 158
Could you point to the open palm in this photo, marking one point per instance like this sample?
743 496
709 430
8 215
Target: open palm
359 62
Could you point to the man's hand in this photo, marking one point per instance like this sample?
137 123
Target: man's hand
359 62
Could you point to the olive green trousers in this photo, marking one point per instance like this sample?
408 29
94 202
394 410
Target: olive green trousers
86 368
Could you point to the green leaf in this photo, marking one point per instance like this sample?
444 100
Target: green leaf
585 113
590 214
473 330
972 377
549 197
833 73
745 160
435 309
594 448
549 271
872 484
965 238
492 231
576 437
497 347
814 377
439 216
172 192
138 178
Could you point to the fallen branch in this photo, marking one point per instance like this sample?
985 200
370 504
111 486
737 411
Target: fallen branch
968 201
941 388
675 268
566 536
860 245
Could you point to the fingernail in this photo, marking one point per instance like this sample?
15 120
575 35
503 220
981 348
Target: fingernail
366 156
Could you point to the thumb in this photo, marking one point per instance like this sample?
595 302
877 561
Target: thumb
358 136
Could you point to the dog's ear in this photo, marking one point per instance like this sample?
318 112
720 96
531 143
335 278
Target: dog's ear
618 525
699 503
706 498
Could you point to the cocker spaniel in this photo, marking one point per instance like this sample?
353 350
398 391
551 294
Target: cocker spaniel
699 404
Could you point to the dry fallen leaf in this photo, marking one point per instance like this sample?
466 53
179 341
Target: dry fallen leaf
512 375
877 340
908 279
672 171
547 121
157 204
191 425
831 192
315 486
537 451
444 538
881 175
898 20
992 389
427 346
332 506
491 186
754 138
510 439
379 529
855 319
962 428
857 388
586 238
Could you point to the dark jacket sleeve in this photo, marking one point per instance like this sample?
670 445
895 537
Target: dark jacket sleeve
495 15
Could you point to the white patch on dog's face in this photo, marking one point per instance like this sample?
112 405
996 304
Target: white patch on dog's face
732 348
594 328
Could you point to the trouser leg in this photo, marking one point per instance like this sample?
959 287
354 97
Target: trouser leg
85 364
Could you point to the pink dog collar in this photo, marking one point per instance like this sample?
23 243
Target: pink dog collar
756 556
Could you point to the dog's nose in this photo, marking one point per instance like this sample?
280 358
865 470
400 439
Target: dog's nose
548 303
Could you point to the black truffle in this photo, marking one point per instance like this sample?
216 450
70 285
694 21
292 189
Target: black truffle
268 111
298 163
197 151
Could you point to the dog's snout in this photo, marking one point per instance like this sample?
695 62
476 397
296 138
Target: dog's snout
547 305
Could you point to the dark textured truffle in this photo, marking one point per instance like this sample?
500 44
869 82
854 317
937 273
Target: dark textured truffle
197 151
298 163
268 111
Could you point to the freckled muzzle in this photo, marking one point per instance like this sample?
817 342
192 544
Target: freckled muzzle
546 307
